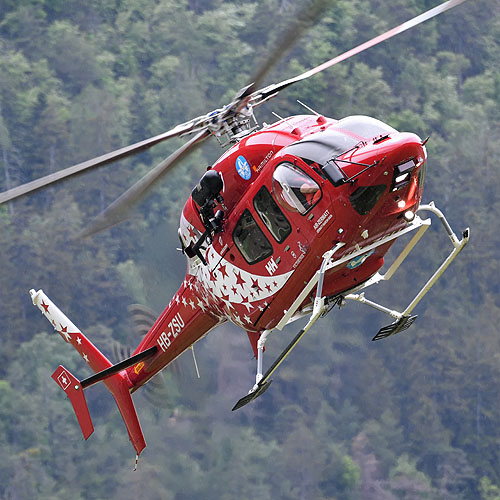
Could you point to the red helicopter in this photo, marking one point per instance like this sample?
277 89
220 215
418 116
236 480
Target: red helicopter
294 218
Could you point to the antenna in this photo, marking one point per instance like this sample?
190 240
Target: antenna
283 119
308 108
195 363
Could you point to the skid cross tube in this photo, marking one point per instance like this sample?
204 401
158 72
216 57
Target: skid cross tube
416 224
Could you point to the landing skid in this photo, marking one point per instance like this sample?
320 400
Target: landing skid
397 326
402 320
262 382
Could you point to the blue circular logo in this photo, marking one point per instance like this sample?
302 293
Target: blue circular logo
243 168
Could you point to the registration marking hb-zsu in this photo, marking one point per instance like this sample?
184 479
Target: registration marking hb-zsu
174 328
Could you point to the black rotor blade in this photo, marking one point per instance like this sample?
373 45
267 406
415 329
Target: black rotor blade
119 209
305 18
275 88
93 163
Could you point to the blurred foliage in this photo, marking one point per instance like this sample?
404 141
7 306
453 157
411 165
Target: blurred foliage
413 417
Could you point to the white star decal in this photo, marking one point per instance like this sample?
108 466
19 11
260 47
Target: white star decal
191 303
246 318
64 380
228 304
79 340
248 306
184 303
85 357
66 336
200 304
177 299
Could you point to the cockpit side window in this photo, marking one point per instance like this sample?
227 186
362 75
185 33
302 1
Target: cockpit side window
294 189
271 215
250 240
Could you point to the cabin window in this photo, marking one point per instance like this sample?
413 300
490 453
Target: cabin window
250 240
294 189
365 198
271 215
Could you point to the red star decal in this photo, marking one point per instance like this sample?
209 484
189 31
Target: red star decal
239 279
268 287
275 284
192 234
64 330
212 276
45 306
255 284
235 291
222 270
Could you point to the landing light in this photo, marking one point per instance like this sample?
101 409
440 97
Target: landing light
401 203
402 178
409 215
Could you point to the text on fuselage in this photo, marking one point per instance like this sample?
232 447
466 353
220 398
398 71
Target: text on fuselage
174 328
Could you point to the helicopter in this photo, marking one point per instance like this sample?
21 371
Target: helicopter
294 218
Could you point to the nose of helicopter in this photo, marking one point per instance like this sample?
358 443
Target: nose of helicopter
387 176
405 172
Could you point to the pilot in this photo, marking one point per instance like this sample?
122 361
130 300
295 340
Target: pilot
310 194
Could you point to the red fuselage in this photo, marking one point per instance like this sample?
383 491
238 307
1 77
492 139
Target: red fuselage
290 193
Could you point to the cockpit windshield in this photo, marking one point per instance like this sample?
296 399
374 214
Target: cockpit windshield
365 126
322 146
294 189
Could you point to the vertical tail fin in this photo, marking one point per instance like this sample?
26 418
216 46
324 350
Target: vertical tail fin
74 390
114 377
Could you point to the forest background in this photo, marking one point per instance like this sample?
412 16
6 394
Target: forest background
415 416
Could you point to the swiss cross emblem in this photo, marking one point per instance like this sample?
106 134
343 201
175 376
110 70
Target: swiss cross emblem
63 380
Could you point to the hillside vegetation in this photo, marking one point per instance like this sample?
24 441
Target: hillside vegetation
416 416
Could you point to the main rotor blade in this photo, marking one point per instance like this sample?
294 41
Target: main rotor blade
274 88
305 18
119 209
94 163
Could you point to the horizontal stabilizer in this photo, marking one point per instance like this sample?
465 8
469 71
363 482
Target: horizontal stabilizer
74 390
